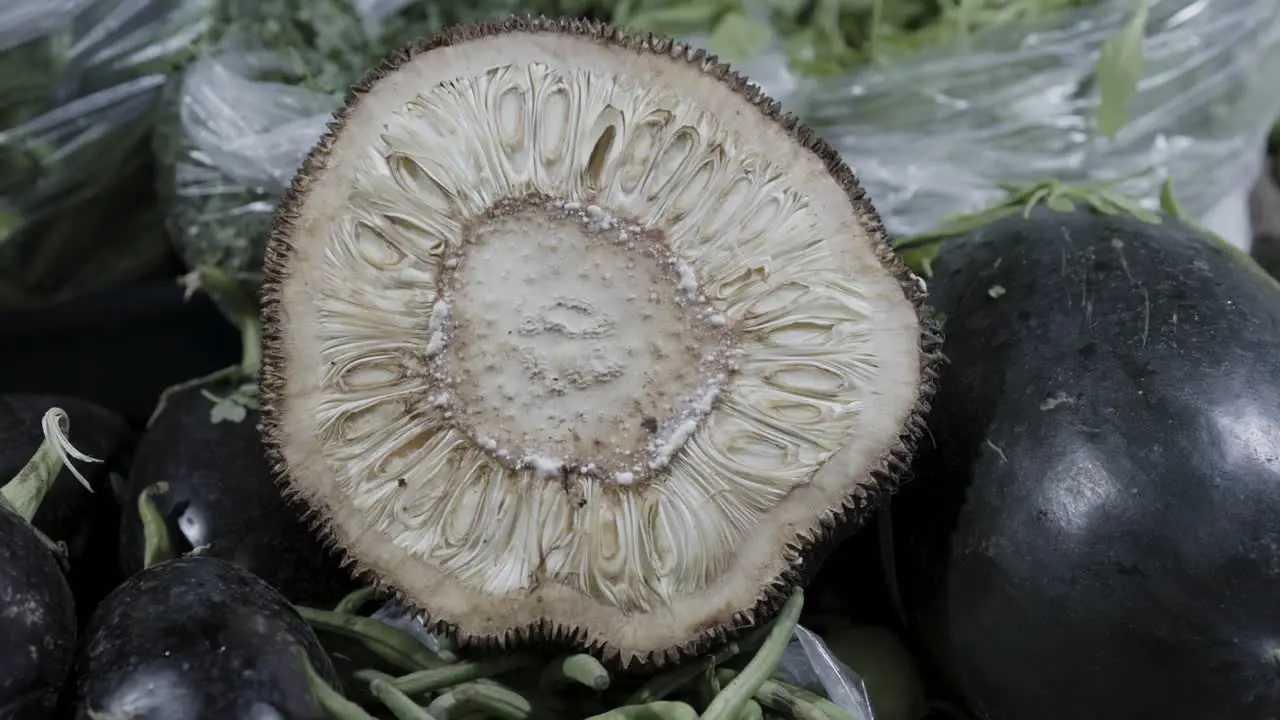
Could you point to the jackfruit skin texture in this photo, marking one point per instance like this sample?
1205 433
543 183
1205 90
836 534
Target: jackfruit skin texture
838 524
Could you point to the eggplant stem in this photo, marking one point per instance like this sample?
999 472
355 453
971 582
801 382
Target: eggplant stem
24 493
157 545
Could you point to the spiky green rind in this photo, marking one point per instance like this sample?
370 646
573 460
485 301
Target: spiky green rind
807 552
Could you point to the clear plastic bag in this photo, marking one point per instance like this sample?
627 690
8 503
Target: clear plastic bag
935 133
242 117
79 80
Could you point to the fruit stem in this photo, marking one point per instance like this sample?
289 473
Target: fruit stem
157 545
334 705
243 311
24 493
729 703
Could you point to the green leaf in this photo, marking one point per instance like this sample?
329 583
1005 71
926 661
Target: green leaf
1121 66
1061 204
227 410
737 37
1168 202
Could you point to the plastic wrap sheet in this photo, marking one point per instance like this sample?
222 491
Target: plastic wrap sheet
79 80
934 134
244 115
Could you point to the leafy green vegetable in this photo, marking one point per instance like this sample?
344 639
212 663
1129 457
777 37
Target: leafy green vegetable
76 103
1099 196
1121 66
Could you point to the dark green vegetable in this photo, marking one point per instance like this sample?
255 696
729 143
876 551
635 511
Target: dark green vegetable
37 609
86 523
1093 532
198 638
212 484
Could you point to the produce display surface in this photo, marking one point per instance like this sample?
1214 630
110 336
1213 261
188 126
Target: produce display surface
521 361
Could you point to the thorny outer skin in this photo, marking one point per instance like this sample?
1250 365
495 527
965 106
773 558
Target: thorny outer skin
37 623
87 523
1103 498
197 639
809 548
221 497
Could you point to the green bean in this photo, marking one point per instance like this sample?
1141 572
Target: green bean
665 683
752 711
728 704
578 669
425 681
771 687
492 699
351 604
388 643
334 705
382 686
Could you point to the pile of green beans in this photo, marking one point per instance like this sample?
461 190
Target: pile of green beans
422 684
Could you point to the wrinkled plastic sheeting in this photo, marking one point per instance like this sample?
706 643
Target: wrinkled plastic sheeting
810 664
936 133
110 55
255 132
807 663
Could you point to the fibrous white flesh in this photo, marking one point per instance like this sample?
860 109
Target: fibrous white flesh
617 412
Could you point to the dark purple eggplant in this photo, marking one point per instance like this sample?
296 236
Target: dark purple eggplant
37 609
212 484
198 638
86 523
1093 529
37 623
204 467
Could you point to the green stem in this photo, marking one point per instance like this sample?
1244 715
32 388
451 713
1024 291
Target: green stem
157 545
388 643
227 293
225 373
24 493
728 704
353 601
334 705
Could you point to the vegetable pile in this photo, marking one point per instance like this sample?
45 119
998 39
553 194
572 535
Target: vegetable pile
587 384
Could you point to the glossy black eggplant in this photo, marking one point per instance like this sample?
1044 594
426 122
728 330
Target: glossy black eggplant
198 638
86 523
213 485
1093 530
37 623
